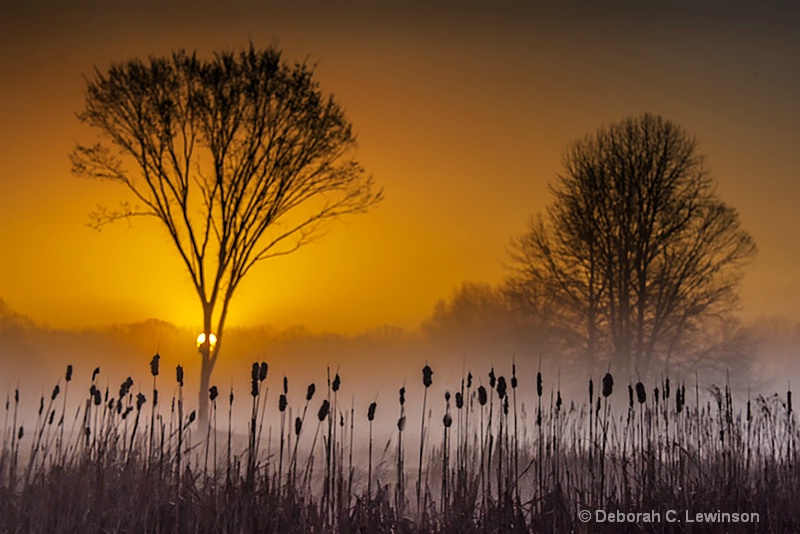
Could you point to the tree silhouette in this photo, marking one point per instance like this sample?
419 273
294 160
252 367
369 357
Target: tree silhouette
241 157
637 254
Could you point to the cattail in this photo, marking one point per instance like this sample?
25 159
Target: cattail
482 395
789 401
56 391
262 371
213 392
155 397
310 393
469 380
591 389
558 401
282 403
501 387
192 417
427 376
50 419
69 373
641 395
608 385
254 387
95 373
459 400
140 400
285 385
21 432
41 405
630 397
323 410
154 365
16 396
254 372
298 426
539 383
492 378
371 411
179 375
336 383
513 376
666 388
402 395
401 423
97 398
230 398
447 420
447 396
749 413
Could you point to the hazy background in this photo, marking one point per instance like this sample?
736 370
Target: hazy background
463 110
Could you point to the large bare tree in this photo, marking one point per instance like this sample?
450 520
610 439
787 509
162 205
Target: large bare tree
637 254
241 158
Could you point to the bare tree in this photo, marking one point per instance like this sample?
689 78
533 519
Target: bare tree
240 156
637 253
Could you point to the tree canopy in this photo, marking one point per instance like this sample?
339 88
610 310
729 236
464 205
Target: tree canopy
637 255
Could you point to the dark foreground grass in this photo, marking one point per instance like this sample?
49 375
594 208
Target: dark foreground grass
132 463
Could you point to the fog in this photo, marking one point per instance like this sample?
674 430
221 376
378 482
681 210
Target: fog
462 337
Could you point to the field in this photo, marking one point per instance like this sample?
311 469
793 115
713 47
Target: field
627 457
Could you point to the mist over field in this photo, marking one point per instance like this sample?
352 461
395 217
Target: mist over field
461 336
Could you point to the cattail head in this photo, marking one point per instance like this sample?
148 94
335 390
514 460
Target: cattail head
539 383
97 398
323 410
230 398
192 417
16 396
336 383
56 391
447 420
262 371
513 376
447 396
630 396
213 392
505 405
41 405
21 432
591 389
749 413
789 401
298 426
310 393
285 385
401 423
608 384
459 400
50 419
155 397
469 380
179 375
140 400
254 372
282 403
501 387
402 395
154 364
254 387
482 395
558 401
666 388
371 411
427 376
95 373
492 378
641 395
69 373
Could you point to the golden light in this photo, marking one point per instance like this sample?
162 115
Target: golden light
212 340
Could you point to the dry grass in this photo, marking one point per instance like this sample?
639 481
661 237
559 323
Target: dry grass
123 463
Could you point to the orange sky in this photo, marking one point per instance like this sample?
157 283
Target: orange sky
462 114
